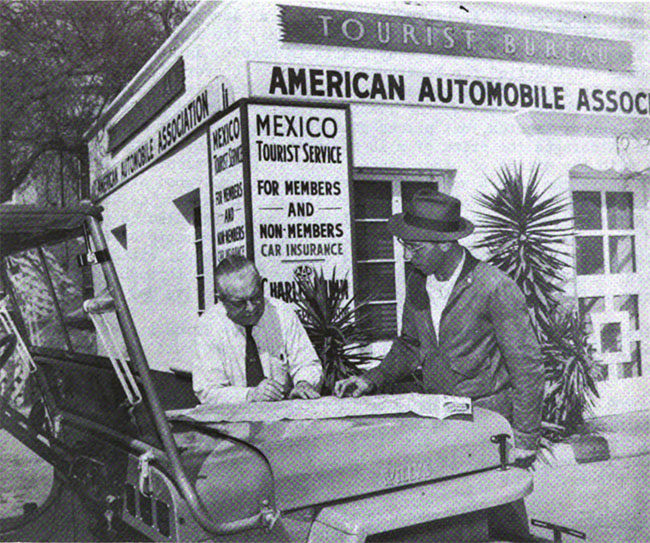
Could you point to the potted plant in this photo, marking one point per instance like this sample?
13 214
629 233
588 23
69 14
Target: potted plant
336 325
570 373
523 230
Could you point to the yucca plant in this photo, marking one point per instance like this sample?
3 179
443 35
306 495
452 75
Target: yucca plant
523 230
336 325
571 388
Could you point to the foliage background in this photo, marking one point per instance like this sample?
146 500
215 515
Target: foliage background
61 63
336 324
523 228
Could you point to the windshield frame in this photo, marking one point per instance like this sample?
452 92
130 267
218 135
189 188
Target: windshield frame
32 289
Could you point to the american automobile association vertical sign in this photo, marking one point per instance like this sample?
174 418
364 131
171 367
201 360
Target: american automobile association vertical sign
300 176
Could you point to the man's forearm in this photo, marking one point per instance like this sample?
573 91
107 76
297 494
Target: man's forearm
398 363
520 348
310 372
528 399
227 394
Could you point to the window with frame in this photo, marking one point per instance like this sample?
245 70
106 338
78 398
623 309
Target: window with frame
605 241
380 275
189 205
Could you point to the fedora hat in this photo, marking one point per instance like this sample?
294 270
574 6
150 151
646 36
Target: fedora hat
430 216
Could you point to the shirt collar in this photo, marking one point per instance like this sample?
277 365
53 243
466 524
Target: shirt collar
448 285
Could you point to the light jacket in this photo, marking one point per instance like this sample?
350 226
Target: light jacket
487 349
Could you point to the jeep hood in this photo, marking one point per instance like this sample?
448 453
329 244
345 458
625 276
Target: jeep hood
319 461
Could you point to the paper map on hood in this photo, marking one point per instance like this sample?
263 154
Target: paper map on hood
437 406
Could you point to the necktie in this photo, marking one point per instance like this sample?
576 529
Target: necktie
254 372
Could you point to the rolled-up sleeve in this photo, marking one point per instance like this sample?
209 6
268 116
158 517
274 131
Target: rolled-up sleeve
520 348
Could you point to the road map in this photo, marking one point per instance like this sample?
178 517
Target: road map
438 406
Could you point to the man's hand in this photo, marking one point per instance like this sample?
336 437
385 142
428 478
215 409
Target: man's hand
304 390
354 386
267 391
522 458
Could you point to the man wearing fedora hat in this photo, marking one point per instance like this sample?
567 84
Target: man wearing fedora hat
465 325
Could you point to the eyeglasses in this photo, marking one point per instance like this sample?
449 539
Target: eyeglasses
256 299
412 246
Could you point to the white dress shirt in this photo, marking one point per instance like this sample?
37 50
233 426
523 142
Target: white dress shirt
439 292
219 372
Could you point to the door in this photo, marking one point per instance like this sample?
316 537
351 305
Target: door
611 274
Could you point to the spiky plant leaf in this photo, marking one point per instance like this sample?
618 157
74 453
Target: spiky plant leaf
336 325
523 229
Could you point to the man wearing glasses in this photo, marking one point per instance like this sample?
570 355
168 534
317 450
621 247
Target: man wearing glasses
465 325
252 348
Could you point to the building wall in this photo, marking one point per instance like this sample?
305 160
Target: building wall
157 267
472 142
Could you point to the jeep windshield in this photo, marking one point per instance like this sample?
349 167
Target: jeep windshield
97 405
47 288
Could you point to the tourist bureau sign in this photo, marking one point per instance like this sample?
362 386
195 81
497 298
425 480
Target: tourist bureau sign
441 90
340 28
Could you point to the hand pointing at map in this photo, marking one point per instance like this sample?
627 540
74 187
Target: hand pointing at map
354 386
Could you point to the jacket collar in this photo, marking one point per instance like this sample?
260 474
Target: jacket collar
465 278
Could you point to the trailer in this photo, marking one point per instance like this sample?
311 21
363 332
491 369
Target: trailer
131 462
